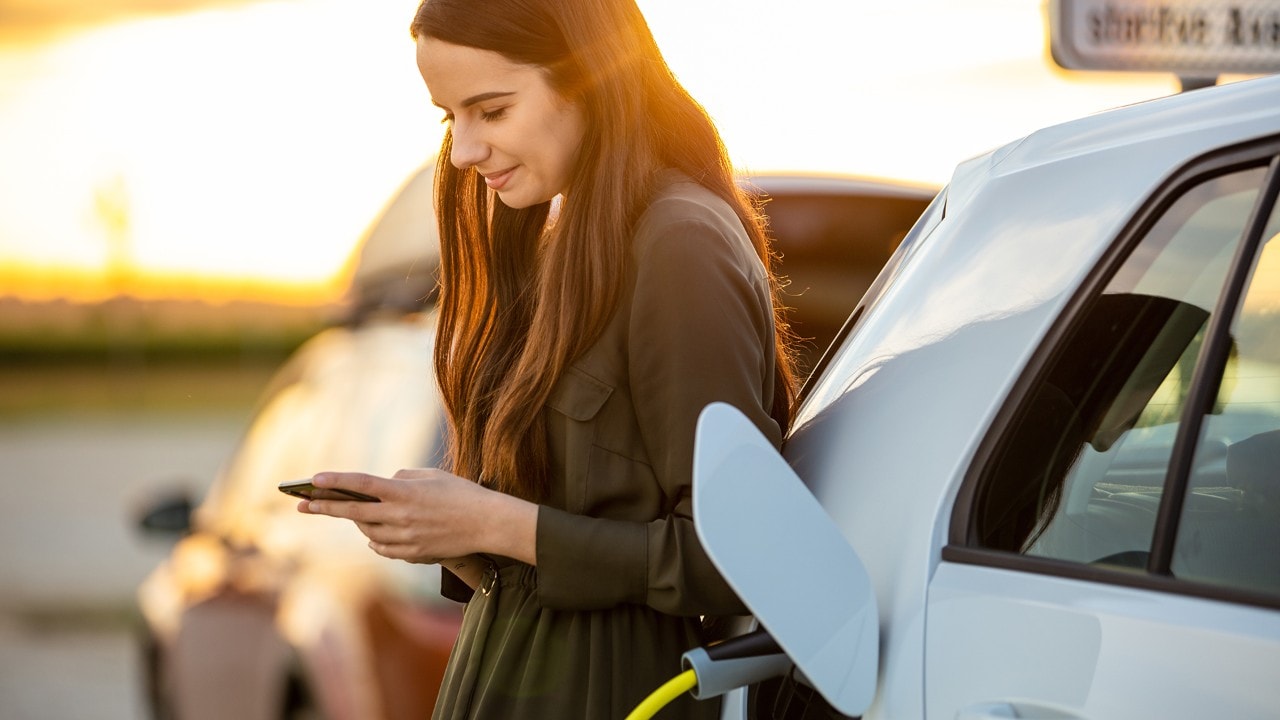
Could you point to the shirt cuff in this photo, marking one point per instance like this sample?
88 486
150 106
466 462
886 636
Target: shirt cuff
587 563
453 587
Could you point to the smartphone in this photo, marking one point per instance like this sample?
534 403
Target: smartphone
305 490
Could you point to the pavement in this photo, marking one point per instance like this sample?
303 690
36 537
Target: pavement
68 669
71 557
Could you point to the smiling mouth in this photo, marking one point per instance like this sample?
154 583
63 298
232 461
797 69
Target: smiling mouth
496 181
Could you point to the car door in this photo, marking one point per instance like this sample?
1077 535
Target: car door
1114 551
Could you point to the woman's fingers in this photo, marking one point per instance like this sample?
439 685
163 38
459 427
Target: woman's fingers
359 511
387 492
362 483
386 533
401 552
416 473
424 514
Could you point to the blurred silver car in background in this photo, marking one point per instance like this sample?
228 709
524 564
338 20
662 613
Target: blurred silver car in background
261 612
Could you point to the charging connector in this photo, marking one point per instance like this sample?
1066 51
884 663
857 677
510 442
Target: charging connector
734 663
718 668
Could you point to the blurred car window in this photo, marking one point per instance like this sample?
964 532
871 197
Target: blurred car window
833 235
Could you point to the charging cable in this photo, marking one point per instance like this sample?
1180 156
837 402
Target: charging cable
659 698
716 669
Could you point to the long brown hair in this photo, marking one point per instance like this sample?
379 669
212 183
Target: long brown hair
520 300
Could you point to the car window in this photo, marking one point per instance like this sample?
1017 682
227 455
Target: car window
1080 472
1229 533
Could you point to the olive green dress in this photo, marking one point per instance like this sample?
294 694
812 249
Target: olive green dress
621 579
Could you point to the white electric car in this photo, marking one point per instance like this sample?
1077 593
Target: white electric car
1038 473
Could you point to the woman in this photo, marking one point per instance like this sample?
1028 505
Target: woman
575 349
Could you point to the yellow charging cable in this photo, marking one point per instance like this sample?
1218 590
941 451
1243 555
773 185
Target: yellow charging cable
658 699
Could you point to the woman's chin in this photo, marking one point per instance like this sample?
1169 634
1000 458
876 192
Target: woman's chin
519 201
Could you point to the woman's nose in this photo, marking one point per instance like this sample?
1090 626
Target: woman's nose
468 150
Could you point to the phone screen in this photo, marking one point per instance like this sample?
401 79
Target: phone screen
305 490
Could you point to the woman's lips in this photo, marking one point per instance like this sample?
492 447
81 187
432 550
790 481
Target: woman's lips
497 180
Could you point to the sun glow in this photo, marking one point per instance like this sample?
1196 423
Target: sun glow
248 146
901 90
245 149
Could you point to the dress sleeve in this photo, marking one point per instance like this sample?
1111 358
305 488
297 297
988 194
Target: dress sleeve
701 330
453 587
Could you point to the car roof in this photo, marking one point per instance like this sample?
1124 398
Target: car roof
1158 133
1205 113
397 257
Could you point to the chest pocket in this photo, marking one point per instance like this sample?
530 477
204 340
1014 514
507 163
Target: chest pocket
573 424
578 396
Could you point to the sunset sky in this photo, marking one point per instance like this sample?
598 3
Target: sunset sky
241 147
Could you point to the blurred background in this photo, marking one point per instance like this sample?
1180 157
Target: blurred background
183 184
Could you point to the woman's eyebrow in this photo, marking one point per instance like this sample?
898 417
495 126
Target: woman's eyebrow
476 99
484 96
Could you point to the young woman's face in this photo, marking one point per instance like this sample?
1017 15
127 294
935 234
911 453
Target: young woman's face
507 121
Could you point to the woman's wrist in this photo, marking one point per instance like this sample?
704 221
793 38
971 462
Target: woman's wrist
511 528
468 568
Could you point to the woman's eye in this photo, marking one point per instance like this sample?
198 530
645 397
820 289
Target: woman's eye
491 115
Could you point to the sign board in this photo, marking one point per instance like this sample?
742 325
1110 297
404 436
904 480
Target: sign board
1203 38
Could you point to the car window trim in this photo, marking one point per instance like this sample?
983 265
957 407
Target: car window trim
1107 575
1208 375
961 533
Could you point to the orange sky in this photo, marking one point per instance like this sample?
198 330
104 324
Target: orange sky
241 149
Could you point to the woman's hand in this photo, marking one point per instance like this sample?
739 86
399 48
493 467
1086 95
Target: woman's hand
430 516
